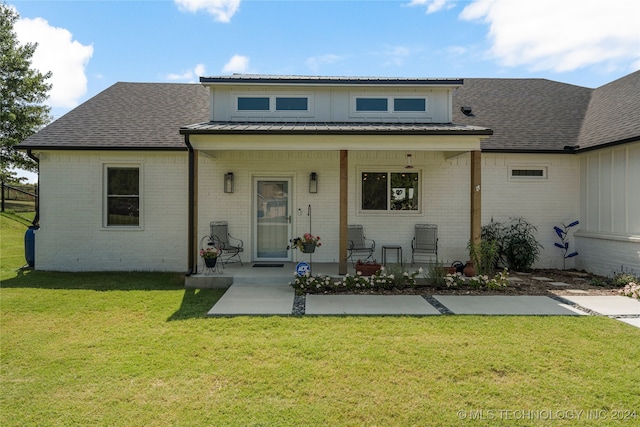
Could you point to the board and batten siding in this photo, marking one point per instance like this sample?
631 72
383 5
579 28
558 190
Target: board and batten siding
609 236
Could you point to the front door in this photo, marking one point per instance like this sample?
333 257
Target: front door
272 225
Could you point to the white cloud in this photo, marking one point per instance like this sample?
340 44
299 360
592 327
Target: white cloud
315 62
222 10
59 53
433 5
237 64
188 76
561 35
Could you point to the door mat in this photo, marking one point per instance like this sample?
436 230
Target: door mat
268 265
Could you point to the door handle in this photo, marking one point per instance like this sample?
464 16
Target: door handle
289 219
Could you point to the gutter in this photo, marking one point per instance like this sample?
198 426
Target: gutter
192 269
36 219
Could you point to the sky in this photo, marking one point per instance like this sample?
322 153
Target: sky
90 45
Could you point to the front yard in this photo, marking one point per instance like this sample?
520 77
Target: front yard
136 350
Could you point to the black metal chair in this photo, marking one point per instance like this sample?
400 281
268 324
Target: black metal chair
425 241
229 246
358 244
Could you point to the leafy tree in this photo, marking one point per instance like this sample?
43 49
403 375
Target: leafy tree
22 93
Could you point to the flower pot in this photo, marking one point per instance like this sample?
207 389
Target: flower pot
308 248
210 262
469 269
449 270
367 269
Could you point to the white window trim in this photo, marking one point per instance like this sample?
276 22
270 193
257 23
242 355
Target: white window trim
543 168
105 197
272 104
390 98
389 212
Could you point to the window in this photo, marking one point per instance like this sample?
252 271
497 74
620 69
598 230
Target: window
390 104
409 104
291 104
395 191
123 196
524 173
371 104
273 103
253 103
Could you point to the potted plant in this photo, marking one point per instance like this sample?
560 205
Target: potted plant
368 268
210 256
306 244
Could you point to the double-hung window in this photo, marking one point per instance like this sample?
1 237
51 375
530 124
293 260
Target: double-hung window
390 191
122 203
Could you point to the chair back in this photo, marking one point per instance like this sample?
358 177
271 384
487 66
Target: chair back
355 235
426 237
220 233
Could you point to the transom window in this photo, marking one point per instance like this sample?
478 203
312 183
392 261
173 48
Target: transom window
272 103
123 196
390 191
390 104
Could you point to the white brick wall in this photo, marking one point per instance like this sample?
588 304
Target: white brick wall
445 195
72 236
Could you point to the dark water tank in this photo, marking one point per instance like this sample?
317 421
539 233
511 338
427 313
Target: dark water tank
30 245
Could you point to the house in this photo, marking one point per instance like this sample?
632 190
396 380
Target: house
132 178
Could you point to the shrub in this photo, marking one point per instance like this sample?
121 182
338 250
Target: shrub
623 279
517 247
631 290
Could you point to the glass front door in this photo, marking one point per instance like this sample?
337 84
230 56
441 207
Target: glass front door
272 227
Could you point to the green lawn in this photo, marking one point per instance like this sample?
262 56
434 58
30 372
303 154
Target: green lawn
135 350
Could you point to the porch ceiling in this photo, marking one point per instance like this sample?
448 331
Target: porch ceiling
335 136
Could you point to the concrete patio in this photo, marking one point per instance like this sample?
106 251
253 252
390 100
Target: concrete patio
265 291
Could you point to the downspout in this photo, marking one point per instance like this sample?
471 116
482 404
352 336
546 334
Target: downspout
192 269
36 219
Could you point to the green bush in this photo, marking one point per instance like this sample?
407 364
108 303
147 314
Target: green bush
516 245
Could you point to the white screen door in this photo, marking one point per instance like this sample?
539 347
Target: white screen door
272 229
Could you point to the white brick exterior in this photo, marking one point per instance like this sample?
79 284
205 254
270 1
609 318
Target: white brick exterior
444 193
72 235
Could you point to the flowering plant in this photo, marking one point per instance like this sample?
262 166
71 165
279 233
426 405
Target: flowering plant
306 239
210 253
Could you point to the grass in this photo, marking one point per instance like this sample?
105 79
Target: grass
135 350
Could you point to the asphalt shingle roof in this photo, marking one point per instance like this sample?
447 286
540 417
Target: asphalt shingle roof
526 115
129 116
614 114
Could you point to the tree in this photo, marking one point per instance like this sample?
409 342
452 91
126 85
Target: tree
22 93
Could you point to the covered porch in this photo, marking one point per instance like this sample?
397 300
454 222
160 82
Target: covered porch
339 154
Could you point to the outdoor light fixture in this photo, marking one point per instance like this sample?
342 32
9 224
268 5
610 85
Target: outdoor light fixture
313 182
409 165
228 182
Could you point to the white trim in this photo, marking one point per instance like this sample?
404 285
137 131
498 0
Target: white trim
543 168
272 104
390 112
254 226
105 202
388 212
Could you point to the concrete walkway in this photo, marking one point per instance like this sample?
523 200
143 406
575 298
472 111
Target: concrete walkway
246 297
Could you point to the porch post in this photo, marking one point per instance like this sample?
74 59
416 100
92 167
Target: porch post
476 197
344 188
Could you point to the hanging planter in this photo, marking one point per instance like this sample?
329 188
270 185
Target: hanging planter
308 248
